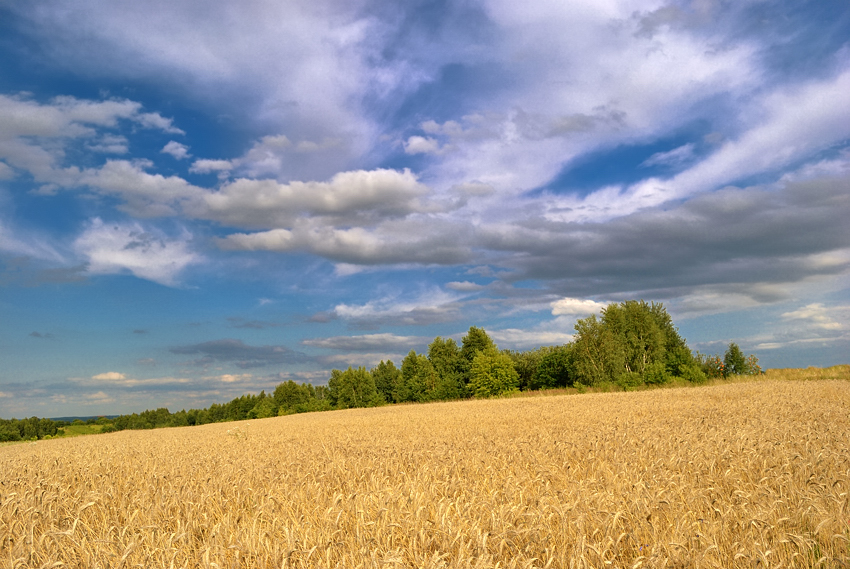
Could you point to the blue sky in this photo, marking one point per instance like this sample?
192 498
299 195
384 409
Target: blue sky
199 200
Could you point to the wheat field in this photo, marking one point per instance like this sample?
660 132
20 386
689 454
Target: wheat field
738 475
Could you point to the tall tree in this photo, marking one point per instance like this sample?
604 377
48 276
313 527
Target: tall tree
445 357
554 368
492 373
597 355
353 388
387 377
476 340
734 361
638 330
419 379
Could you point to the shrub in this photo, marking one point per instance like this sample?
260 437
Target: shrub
694 374
656 374
630 380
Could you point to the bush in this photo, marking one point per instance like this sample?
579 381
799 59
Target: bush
694 374
630 380
9 433
656 374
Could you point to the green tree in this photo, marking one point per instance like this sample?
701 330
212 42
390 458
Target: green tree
476 340
734 361
637 329
492 373
387 377
554 369
353 388
419 379
445 357
288 396
264 409
525 364
597 355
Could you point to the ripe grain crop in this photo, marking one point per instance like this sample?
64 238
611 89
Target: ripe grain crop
737 475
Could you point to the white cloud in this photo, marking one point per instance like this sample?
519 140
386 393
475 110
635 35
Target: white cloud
816 315
465 286
267 203
145 195
27 244
516 338
206 166
232 378
408 241
110 144
130 248
797 123
110 376
432 306
576 306
98 398
116 379
35 136
673 157
421 145
177 150
157 121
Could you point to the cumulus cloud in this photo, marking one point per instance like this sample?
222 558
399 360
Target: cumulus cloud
144 194
391 243
421 145
110 144
350 195
576 306
233 378
34 135
205 166
110 376
119 248
157 121
117 379
177 150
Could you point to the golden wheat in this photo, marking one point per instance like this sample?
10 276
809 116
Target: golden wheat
738 475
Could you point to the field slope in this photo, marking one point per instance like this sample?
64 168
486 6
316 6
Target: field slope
739 475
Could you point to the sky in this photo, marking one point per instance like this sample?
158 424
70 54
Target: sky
202 199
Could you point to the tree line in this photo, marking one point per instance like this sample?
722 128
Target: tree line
631 344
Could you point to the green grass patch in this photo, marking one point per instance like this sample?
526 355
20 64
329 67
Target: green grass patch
78 430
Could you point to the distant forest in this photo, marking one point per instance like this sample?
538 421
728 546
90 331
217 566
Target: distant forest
632 344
